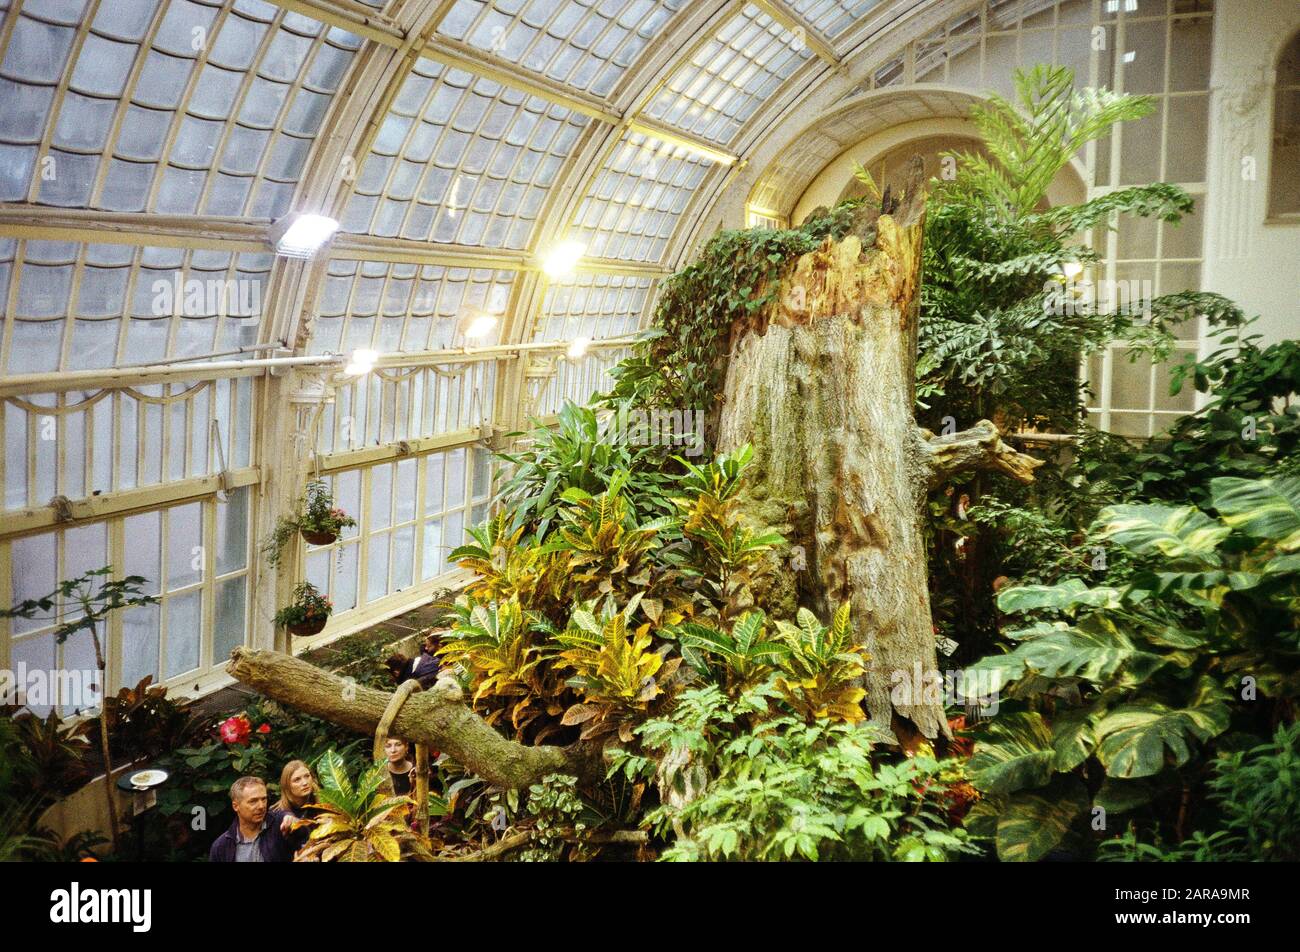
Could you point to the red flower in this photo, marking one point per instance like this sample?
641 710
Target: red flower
235 729
264 729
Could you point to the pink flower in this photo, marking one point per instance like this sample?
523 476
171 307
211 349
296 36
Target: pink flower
235 729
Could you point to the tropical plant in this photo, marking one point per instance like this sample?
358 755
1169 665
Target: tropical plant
726 552
739 659
1156 668
509 681
84 604
1255 811
356 822
787 789
822 668
606 550
616 670
580 452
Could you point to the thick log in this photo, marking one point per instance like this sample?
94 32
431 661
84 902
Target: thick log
437 717
980 447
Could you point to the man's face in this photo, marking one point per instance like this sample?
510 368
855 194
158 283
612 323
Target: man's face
251 807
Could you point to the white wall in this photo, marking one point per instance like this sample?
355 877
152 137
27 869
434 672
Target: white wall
1248 259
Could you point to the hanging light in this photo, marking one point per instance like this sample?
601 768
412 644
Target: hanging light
560 261
301 236
578 349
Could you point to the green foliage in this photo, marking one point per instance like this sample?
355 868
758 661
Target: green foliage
738 660
1212 606
822 667
726 552
357 822
786 789
616 670
1001 328
581 452
1255 810
558 815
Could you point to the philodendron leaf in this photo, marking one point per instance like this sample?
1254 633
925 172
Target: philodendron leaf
1065 597
1261 508
1133 738
1121 796
1073 738
1176 532
1033 823
1015 753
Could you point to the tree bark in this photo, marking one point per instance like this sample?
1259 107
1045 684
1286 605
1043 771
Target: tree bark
821 385
437 717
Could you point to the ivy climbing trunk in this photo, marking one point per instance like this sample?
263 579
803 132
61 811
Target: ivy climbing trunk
820 383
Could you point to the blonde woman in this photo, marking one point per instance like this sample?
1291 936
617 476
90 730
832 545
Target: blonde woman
297 790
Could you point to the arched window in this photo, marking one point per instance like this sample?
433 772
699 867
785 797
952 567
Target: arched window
1284 168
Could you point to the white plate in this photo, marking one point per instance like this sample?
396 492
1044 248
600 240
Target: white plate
148 778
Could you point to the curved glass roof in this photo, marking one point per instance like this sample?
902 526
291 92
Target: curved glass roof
148 142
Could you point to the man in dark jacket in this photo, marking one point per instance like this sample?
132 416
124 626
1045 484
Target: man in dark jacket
258 833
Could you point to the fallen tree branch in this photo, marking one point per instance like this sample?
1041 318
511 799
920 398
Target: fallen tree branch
516 840
980 447
437 717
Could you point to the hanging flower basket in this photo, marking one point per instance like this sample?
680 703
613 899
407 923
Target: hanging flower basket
319 536
308 612
306 628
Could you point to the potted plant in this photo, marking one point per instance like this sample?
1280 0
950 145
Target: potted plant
315 517
307 613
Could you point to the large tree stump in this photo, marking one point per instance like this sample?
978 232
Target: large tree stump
821 385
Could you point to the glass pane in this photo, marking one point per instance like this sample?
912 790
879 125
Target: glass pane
403 557
228 632
139 644
404 493
381 497
431 556
32 568
36 655
143 552
184 632
377 571
232 531
345 578
456 478
433 483
184 545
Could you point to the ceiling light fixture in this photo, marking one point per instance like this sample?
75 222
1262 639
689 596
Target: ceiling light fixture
560 261
479 326
301 236
578 349
362 362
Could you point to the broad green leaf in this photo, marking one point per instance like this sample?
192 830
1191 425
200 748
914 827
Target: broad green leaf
1065 596
1032 824
1073 738
1121 796
1261 508
1174 532
1134 737
1016 753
